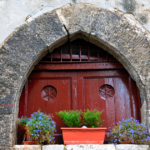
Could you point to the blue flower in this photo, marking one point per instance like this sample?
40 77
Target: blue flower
39 117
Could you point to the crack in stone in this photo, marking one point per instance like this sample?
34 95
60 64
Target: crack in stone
93 24
66 31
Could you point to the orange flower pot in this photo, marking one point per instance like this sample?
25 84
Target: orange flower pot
24 127
29 143
83 135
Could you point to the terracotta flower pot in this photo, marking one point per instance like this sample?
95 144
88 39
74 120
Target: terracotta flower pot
125 142
29 143
24 127
27 135
83 135
28 139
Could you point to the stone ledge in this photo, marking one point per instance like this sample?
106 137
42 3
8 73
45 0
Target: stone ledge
83 147
6 148
91 147
27 147
131 147
53 147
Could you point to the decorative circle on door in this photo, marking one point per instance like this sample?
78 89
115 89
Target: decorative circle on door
49 93
106 91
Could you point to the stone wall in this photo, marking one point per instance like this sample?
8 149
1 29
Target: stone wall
118 33
14 13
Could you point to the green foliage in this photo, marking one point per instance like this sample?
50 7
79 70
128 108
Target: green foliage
91 118
41 127
70 118
23 120
129 130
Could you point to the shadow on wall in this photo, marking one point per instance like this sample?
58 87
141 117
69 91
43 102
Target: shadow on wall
74 1
129 5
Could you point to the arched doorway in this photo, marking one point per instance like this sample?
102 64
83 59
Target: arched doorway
118 33
80 75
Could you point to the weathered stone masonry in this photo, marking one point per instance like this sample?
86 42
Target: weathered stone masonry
118 33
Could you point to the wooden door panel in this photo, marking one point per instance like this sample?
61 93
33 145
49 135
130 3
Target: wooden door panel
81 93
61 102
66 98
22 103
110 103
35 101
72 76
115 107
122 98
92 97
91 82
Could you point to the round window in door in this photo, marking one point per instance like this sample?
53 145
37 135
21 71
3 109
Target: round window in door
106 91
49 93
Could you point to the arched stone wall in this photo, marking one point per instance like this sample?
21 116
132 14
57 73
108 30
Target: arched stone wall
118 33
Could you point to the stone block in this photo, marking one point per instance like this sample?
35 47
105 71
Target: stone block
50 29
91 147
6 130
143 112
78 18
27 147
131 147
25 44
12 72
106 22
53 147
6 148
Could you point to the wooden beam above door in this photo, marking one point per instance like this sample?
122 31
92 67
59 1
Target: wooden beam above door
78 66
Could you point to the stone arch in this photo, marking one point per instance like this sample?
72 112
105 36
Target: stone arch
118 33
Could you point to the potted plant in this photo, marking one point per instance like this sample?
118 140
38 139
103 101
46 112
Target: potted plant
129 131
40 128
22 128
91 118
74 119
23 121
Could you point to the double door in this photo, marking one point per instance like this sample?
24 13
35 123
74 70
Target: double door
112 91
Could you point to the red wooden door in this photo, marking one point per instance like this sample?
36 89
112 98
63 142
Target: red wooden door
50 92
105 86
111 91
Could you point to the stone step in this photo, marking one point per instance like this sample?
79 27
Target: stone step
27 147
83 147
